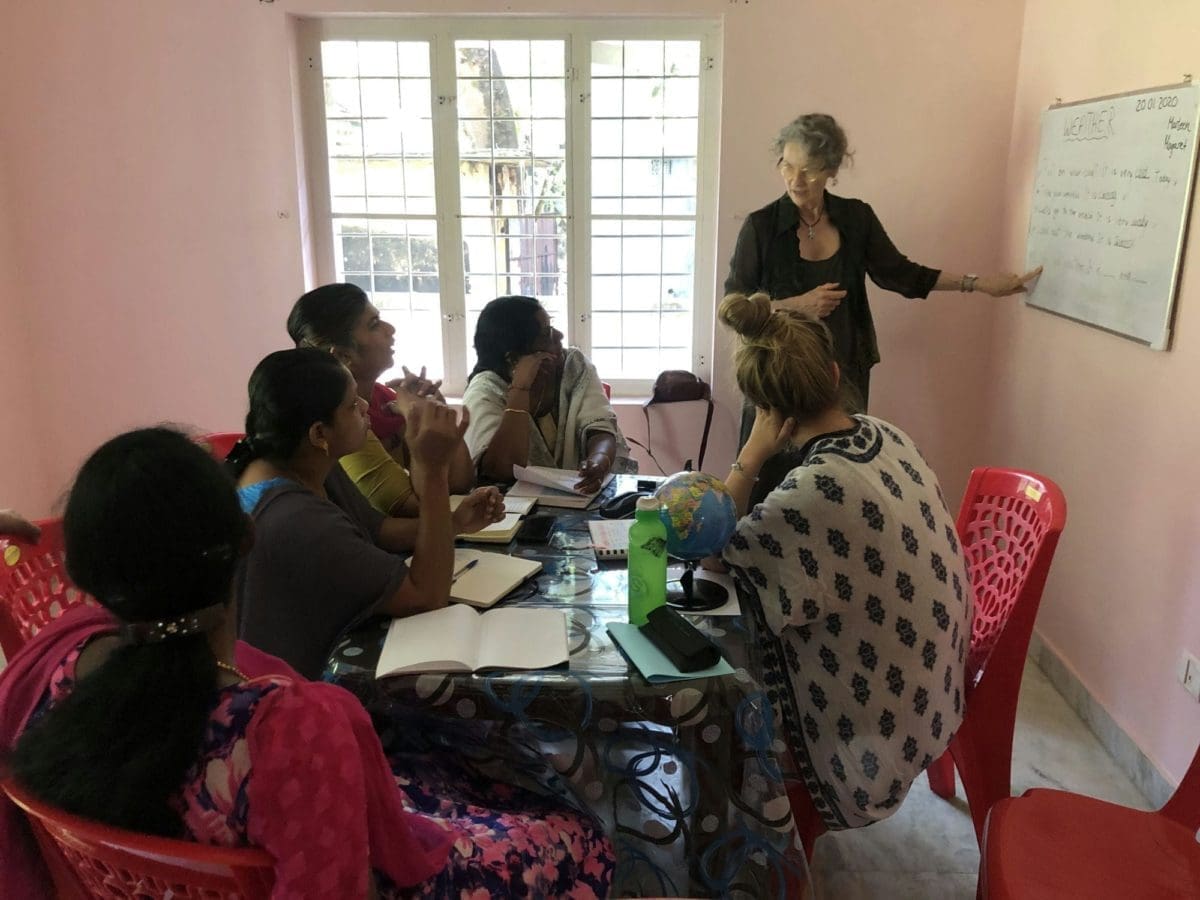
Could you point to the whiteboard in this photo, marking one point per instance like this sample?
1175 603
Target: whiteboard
1110 207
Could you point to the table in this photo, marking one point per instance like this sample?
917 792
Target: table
684 775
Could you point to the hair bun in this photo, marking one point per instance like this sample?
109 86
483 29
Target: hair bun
748 316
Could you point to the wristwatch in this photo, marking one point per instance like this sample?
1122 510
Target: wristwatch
968 283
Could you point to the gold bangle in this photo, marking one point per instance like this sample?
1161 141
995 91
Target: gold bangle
514 409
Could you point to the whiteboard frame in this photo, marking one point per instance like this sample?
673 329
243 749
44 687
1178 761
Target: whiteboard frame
1164 339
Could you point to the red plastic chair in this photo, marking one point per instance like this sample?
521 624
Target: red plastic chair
1009 524
34 587
89 860
1047 844
220 443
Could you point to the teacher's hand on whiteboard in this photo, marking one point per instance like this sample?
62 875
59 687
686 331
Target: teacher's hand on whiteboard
819 302
1006 284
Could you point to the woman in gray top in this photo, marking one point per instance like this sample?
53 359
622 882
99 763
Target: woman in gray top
323 559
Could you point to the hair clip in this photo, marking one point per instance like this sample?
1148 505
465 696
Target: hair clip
221 552
206 619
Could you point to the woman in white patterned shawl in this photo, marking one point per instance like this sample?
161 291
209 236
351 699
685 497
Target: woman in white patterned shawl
532 403
853 571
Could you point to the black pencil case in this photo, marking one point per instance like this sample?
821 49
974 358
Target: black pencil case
679 640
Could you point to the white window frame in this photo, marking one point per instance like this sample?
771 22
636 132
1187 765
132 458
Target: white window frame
578 35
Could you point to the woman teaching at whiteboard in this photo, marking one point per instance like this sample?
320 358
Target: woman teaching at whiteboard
811 250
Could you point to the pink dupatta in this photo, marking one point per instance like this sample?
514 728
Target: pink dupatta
408 848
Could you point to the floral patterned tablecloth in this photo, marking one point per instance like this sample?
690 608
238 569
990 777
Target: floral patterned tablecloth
685 775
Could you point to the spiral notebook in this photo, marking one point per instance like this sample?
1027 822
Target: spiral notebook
610 537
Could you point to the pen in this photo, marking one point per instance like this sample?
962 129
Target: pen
468 567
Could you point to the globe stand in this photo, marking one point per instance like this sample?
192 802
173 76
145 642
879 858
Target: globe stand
695 595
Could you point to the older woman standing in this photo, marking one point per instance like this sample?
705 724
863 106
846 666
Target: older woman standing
811 251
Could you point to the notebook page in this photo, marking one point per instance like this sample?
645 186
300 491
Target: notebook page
516 638
518 505
443 640
559 479
610 537
492 576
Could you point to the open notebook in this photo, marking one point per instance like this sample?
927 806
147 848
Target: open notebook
498 532
490 576
551 487
458 639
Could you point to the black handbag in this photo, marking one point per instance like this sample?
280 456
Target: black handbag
678 386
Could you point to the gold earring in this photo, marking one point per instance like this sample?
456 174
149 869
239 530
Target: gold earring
324 448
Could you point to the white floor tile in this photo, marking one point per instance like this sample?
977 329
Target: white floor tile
927 849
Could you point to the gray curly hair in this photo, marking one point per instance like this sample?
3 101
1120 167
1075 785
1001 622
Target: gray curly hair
821 136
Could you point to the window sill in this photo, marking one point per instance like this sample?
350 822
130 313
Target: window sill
615 401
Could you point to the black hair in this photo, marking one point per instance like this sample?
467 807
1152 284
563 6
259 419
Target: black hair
507 327
152 530
289 391
325 317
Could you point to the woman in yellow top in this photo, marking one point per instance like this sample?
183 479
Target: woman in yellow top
339 318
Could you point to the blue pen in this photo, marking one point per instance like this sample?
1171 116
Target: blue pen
468 567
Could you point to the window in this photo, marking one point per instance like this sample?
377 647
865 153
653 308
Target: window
457 161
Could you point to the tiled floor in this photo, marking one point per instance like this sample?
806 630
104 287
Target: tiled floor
927 850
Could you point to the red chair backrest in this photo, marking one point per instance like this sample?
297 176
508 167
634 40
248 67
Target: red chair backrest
1184 805
34 587
220 443
1009 524
87 859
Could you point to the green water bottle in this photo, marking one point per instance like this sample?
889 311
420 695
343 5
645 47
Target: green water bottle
647 561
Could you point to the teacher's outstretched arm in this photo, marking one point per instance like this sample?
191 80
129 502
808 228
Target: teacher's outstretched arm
1001 284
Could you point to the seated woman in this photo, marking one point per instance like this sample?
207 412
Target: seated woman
533 403
339 318
854 573
150 724
323 559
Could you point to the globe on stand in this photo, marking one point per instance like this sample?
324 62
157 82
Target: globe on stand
700 516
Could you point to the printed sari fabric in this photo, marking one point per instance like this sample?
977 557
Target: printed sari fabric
292 766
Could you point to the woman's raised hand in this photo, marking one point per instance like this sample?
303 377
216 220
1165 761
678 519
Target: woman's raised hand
417 385
771 433
411 387
433 432
479 509
525 370
1004 284
819 302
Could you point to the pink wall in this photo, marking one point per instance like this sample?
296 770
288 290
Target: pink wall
1108 419
153 155
149 157
150 245
22 475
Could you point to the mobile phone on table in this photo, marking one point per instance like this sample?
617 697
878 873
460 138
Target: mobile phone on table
536 529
